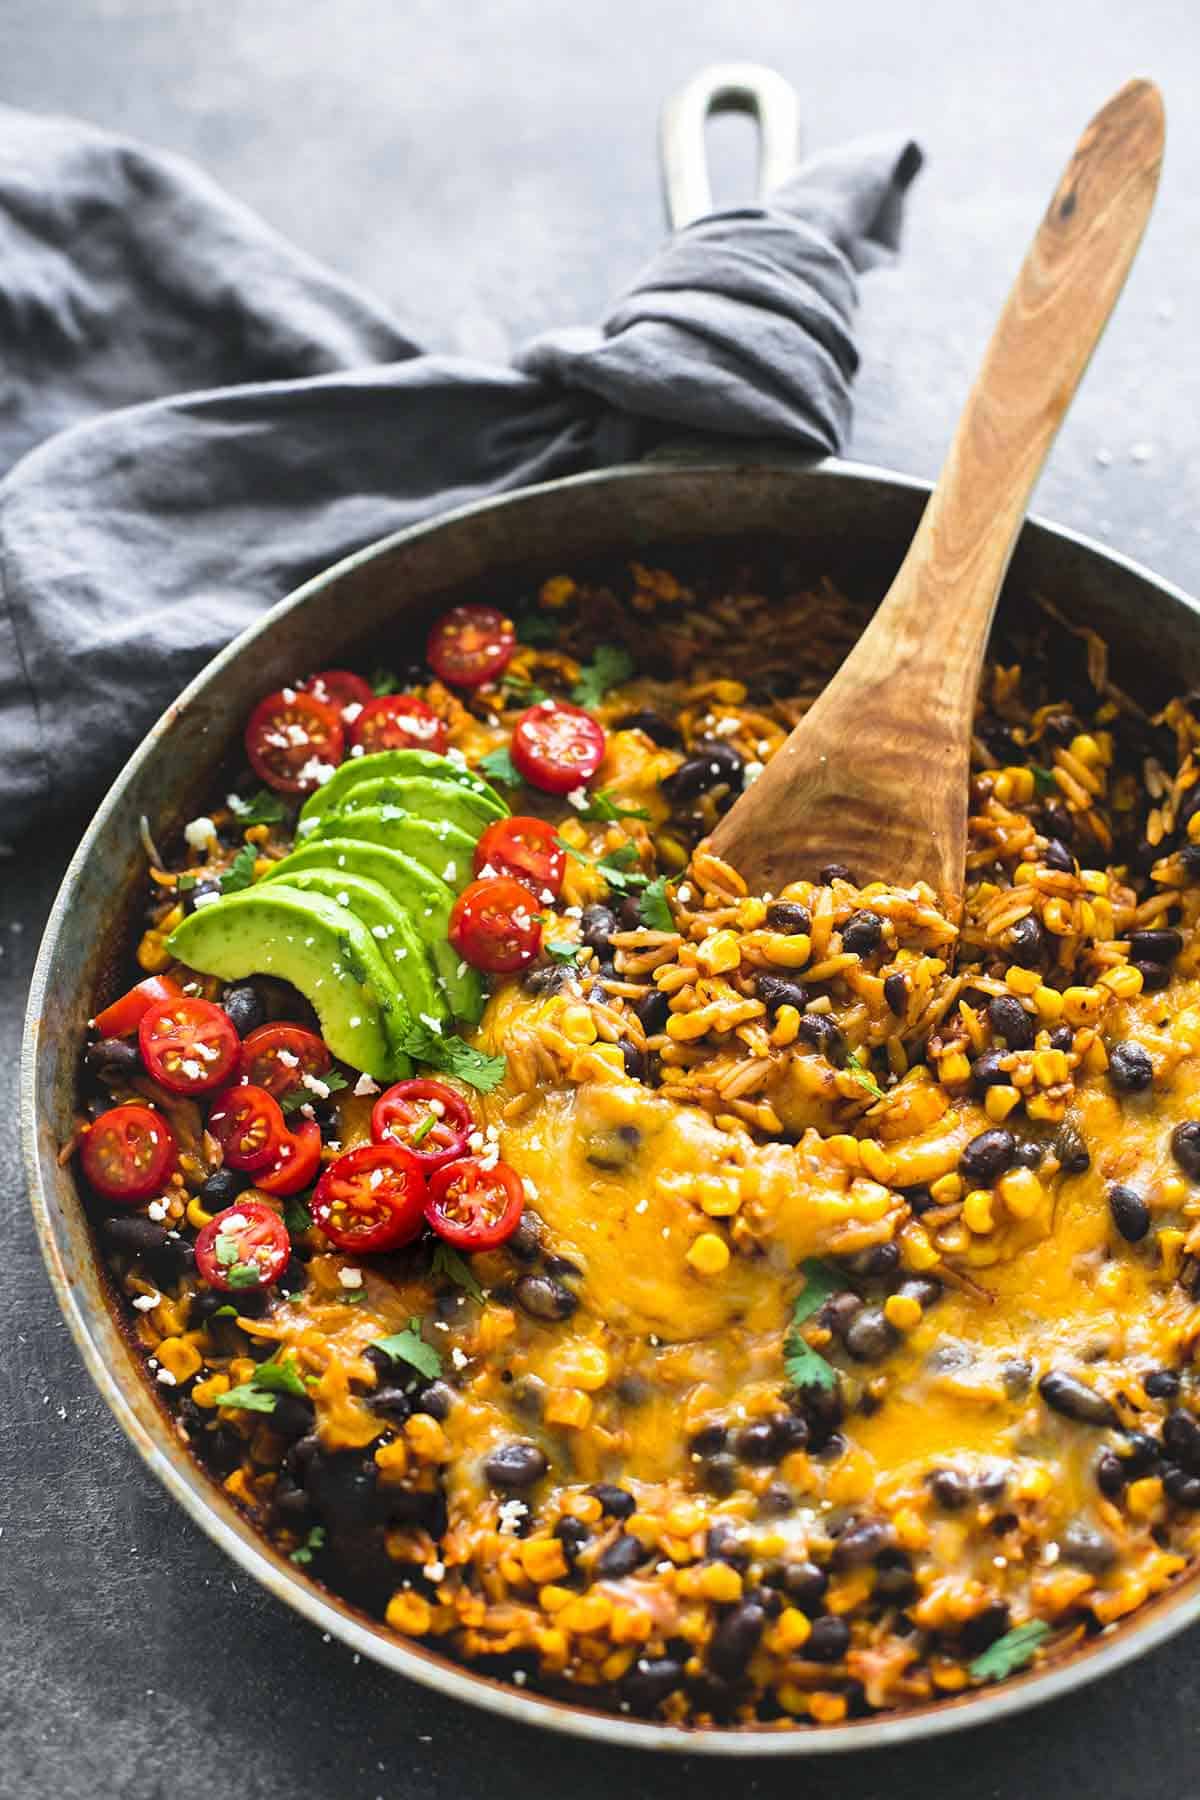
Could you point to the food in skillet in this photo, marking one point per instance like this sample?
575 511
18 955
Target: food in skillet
721 1307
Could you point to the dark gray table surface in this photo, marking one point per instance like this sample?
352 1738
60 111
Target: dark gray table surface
490 169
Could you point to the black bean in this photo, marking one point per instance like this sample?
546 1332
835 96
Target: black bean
1074 1399
1016 1374
1061 1037
526 1240
113 1056
736 1638
659 730
221 1189
722 1544
1072 1153
838 1312
653 1011
711 763
869 1337
1026 942
861 1543
292 1415
790 917
515 1465
1161 946
820 1031
1181 1439
544 1298
135 1236
1028 1155
776 1501
834 872
878 1262
950 1489
775 991
596 925
221 1448
619 1558
1140 1452
294 1279
1129 1068
629 913
862 933
633 1058
984 1628
1162 1384
1189 856
1131 1215
924 1289
804 1584
546 979
390 1402
650 1681
1155 976
987 1156
573 1535
1057 856
986 1071
1185 1147
719 1474
758 1443
1088 1547
244 1008
708 1440
290 1502
342 1487
616 1501
828 1641
1060 728
895 992
1182 1488
436 1399
1111 1474
1010 1021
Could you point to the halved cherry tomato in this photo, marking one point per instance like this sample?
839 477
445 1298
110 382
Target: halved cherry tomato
338 688
372 1198
470 645
475 1207
187 1044
428 1119
288 739
248 1124
527 849
246 1246
121 1019
556 746
297 1159
278 1057
399 722
128 1153
494 925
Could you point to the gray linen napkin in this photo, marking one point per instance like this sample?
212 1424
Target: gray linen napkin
195 416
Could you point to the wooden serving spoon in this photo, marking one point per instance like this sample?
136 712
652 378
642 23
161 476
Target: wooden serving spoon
875 775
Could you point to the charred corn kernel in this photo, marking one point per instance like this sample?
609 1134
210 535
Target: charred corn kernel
1083 1005
542 1559
586 1612
916 1251
1170 1248
902 1311
426 1439
998 1102
584 1507
791 1630
393 1457
1050 1067
179 1358
719 953
977 1211
196 1214
1125 982
790 951
875 1160
684 1027
1048 1004
206 1392
585 1366
578 1025
410 1613
717 1581
751 912
827 1709
1144 1497
568 1406
1021 1192
946 1189
787 1026
709 1254
1022 981
954 1068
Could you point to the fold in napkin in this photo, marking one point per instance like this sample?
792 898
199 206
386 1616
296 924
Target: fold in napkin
195 416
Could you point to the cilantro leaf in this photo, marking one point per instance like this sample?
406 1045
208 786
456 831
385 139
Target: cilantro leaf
602 806
243 1275
520 689
240 873
263 808
1010 1652
863 1076
653 910
314 1541
420 1132
498 765
276 1376
456 1268
615 865
300 1095
408 1346
611 665
248 1399
805 1367
536 628
296 1216
453 1056
186 882
562 952
821 1282
383 681
1043 780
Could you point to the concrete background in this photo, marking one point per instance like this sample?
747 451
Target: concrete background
490 170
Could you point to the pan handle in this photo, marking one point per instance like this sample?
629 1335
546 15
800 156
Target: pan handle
725 87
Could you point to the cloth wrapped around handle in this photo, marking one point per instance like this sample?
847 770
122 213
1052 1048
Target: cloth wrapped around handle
197 416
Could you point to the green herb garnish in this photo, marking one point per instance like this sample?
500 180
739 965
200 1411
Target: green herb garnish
805 1367
536 628
608 668
383 681
615 865
263 808
1010 1652
863 1076
562 952
452 1056
498 765
821 1282
420 1132
240 873
410 1347
1044 783
300 1095
456 1268
186 882
521 689
602 806
653 910
297 1217
270 1378
314 1541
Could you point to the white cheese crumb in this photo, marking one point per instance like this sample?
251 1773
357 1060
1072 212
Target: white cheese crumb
511 1515
205 900
318 771
199 832
147 1302
288 1058
435 1025
434 1571
166 1377
642 1206
315 1085
578 798
377 931
351 711
684 894
355 1022
751 772
459 1357
519 1677
157 1210
364 1086
342 898
350 1278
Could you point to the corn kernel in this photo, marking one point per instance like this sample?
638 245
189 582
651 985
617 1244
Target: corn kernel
902 1311
1041 1106
585 1366
578 1025
790 951
393 1457
946 1189
792 1630
426 1439
709 1254
787 1026
584 1507
1083 1005
542 1559
205 1392
954 1069
553 1598
719 1196
197 1215
998 1102
586 1612
1022 981
751 912
1170 1248
568 1406
1088 751
977 1211
630 1625
719 953
828 1709
1125 981
875 1160
410 1613
845 1148
151 953
686 1026
1144 1497
718 1581
916 1250
1021 1192
1050 1067
1048 1004
179 1358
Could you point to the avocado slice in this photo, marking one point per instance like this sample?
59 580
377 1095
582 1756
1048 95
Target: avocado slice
399 765
322 949
444 849
424 796
424 896
391 926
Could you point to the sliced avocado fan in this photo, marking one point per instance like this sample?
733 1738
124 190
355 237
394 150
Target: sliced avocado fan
399 765
443 849
323 950
424 796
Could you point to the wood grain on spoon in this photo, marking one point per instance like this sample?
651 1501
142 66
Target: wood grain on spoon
875 775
